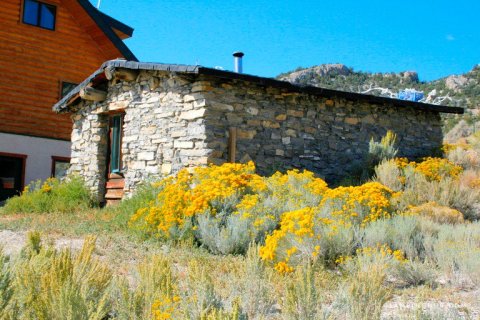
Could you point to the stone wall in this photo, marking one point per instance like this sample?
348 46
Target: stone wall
163 130
173 121
279 129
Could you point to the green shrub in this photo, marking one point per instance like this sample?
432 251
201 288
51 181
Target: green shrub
399 233
155 283
255 286
224 234
120 214
446 192
415 273
303 299
456 251
6 285
382 150
199 297
388 174
335 244
62 285
365 290
52 196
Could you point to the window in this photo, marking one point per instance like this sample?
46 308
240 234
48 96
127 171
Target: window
60 167
39 14
116 123
66 88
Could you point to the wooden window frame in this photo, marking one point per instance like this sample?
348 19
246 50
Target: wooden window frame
24 164
59 159
46 3
111 115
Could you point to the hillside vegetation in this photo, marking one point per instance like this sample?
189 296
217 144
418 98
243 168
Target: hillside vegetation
455 90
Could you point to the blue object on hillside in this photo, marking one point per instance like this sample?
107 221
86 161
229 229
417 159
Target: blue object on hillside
411 95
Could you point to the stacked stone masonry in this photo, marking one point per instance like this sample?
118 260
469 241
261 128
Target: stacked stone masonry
174 121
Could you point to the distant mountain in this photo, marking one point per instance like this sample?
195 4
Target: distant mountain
455 90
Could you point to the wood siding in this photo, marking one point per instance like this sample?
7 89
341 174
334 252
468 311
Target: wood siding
34 62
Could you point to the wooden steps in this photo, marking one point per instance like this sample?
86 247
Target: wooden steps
114 187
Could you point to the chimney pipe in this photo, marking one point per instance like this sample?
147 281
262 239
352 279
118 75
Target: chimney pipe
238 61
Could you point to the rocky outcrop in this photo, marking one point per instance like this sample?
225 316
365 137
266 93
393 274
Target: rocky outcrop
323 70
456 83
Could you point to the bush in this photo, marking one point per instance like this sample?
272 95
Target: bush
415 273
199 297
52 196
435 169
389 174
226 207
118 215
6 286
437 213
187 195
399 233
447 192
383 150
303 300
61 285
224 234
433 180
366 290
255 286
155 294
456 251
332 224
468 159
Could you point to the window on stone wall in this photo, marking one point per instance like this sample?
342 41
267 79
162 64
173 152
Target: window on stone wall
115 143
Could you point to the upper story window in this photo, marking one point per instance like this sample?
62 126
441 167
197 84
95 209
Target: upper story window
39 14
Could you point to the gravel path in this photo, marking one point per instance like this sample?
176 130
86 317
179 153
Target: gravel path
13 241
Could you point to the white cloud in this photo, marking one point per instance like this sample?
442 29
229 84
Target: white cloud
449 37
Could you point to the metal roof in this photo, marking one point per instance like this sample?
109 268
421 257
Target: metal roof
63 104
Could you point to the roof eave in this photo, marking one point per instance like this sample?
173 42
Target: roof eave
118 25
98 17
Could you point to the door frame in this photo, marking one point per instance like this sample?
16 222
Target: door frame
110 115
24 165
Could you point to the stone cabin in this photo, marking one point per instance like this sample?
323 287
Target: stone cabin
136 121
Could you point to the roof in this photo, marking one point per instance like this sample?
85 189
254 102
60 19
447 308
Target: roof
107 24
118 25
99 76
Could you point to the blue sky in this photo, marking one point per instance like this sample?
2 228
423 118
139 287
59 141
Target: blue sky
434 38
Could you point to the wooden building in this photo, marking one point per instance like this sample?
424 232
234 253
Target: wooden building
46 48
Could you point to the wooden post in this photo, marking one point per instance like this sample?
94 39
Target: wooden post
232 144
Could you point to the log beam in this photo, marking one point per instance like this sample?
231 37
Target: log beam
124 74
92 94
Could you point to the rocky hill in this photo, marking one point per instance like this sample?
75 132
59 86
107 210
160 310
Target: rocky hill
455 90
